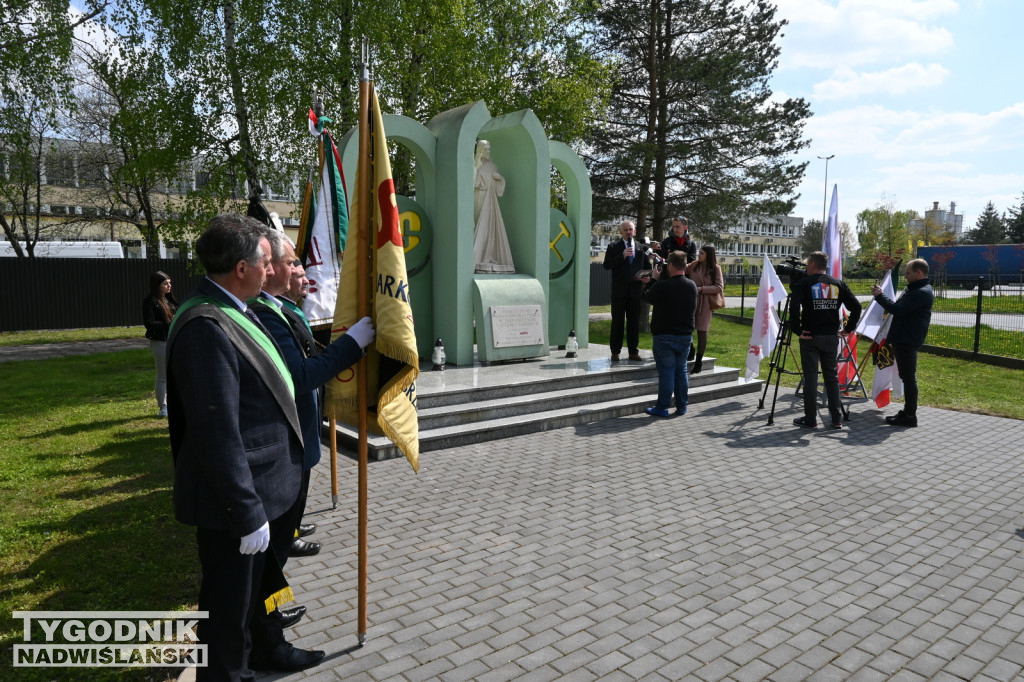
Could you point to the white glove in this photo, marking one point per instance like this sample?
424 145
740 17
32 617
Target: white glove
362 332
256 541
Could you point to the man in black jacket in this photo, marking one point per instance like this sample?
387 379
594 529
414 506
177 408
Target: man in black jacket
674 301
678 240
911 315
816 317
626 259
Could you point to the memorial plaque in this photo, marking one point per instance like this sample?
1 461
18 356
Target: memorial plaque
517 325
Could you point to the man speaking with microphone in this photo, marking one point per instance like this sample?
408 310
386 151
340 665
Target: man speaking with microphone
626 259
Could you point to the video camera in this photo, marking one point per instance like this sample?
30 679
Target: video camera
793 268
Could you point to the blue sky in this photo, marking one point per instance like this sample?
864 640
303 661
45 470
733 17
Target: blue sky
919 100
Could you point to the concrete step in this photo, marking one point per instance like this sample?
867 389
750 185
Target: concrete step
471 405
544 395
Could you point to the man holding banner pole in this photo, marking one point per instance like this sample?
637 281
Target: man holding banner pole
911 316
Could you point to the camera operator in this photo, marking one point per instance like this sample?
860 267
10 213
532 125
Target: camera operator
815 316
674 301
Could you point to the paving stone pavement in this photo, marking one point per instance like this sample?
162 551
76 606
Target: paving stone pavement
705 547
43 351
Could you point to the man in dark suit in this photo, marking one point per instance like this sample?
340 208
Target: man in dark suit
235 437
310 370
626 260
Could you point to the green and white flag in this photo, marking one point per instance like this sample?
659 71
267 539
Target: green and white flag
322 242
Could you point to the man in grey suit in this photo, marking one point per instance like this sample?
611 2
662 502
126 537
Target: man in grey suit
236 440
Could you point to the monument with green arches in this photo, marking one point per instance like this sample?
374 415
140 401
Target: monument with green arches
507 316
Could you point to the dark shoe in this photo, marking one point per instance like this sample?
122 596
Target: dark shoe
657 412
680 411
303 548
902 419
290 617
306 529
285 658
615 357
697 367
805 423
635 357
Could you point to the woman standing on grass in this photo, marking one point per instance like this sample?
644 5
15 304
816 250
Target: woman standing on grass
157 310
707 275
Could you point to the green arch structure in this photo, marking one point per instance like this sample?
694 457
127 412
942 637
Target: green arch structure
550 249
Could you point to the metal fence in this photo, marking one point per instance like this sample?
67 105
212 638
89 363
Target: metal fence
73 293
600 285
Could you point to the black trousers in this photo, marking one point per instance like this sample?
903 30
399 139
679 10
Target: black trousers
266 629
626 307
906 366
230 592
821 350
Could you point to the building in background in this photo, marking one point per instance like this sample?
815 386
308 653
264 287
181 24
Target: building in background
741 248
941 218
75 205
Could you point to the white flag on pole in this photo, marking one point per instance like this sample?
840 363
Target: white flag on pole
874 317
831 242
765 329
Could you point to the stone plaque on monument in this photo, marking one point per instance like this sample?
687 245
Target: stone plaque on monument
517 325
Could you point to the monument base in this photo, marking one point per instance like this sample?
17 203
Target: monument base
510 317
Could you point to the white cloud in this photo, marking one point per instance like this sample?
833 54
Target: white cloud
915 157
884 133
851 33
846 83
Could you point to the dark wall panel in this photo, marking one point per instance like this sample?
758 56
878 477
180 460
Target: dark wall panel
73 293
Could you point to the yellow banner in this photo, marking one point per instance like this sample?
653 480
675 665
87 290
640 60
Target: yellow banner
392 361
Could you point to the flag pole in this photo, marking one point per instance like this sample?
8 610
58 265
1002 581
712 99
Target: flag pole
332 440
364 218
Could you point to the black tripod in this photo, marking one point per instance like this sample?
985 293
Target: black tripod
777 361
777 364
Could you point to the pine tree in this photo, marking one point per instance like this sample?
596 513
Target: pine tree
989 228
692 127
1015 223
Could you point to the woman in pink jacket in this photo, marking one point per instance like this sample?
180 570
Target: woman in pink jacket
707 275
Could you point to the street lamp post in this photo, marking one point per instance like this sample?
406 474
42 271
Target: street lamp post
824 199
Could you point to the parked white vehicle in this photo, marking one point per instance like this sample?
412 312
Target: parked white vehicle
69 249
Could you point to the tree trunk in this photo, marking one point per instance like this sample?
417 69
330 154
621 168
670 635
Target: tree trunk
249 163
643 195
661 125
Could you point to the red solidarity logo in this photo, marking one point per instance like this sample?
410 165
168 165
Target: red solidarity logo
389 231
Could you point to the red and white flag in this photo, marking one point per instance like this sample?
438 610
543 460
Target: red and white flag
765 330
875 324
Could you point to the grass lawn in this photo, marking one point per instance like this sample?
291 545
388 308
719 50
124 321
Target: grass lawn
66 335
86 521
989 304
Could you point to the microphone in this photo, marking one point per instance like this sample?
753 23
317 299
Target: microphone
649 252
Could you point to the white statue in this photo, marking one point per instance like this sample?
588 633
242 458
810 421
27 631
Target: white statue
491 253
